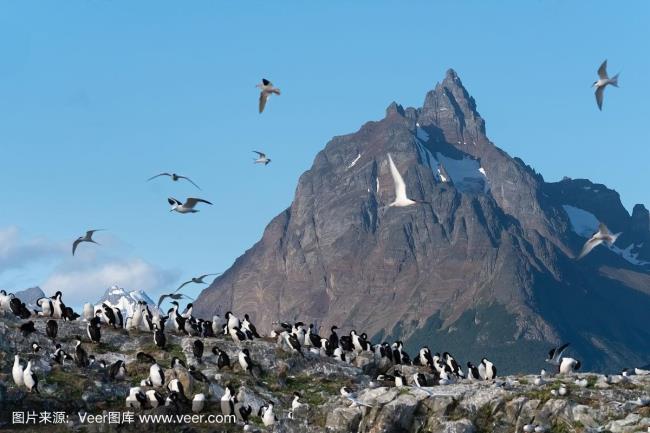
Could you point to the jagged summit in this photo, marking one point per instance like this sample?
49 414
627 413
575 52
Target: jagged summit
488 265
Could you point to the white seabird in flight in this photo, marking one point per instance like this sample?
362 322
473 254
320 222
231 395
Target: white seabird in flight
175 177
602 235
187 207
195 280
401 200
88 237
603 81
267 89
262 158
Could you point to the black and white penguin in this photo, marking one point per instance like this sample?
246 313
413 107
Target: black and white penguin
159 337
94 328
268 417
197 350
345 342
451 362
27 328
228 401
178 363
294 344
400 380
326 348
176 386
231 321
420 380
155 398
119 320
244 412
237 335
47 309
197 374
59 355
108 314
29 378
245 361
206 329
487 370
472 372
334 337
57 305
246 324
223 360
117 371
156 375
80 355
313 338
339 354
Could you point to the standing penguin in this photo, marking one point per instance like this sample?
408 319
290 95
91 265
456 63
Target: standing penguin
228 401
197 350
94 328
223 360
80 355
29 378
472 372
245 361
487 370
117 371
159 336
17 371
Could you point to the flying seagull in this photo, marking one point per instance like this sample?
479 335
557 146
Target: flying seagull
196 280
602 235
603 81
175 177
187 207
88 237
263 159
555 354
267 89
174 296
401 200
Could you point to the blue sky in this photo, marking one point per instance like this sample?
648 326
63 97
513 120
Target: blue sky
98 95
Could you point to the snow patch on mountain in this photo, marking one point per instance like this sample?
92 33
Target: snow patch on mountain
583 223
125 300
466 174
629 255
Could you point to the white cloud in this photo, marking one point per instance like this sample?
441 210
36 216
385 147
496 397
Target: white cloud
17 252
86 281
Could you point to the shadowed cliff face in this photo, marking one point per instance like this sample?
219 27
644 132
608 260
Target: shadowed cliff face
491 233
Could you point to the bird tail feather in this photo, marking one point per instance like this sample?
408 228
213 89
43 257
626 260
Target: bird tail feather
614 80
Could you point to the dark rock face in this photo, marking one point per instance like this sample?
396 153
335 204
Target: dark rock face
492 233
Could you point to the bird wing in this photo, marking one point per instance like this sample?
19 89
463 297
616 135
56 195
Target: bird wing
189 180
207 275
589 245
75 244
162 298
158 175
400 186
182 285
261 154
561 350
602 71
173 201
89 233
263 97
191 201
599 96
603 230
266 82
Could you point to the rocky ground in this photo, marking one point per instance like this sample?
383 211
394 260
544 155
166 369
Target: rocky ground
601 404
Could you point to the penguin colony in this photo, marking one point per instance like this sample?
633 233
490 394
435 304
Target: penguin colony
162 387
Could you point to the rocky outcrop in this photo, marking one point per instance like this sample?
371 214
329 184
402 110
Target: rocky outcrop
487 262
593 402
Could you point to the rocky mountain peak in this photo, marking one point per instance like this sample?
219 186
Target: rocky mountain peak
487 264
451 109
640 219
